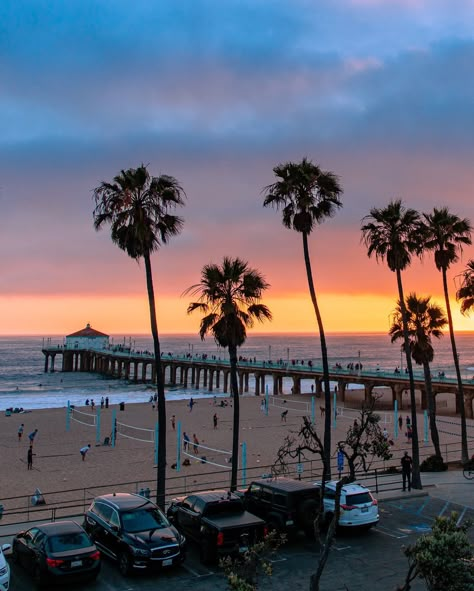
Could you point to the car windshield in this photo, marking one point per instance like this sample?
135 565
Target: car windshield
359 498
225 508
71 541
143 520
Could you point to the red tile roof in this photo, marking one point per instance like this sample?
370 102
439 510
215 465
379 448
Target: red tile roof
87 332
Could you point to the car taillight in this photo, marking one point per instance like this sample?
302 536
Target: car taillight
95 555
220 539
348 507
53 562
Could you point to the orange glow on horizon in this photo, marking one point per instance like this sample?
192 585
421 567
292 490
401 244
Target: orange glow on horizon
125 315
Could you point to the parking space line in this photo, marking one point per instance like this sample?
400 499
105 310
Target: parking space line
387 532
461 516
339 548
274 560
446 505
420 510
195 572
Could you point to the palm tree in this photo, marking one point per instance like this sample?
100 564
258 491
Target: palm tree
229 296
465 293
425 321
137 206
446 234
393 234
307 196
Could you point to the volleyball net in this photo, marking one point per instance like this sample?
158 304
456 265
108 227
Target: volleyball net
89 419
352 414
192 450
294 407
136 433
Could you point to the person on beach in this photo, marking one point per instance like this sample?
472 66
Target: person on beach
214 420
32 436
409 434
408 421
191 404
385 434
195 444
400 423
92 404
262 405
29 458
284 415
186 441
173 422
407 464
106 402
84 450
87 401
102 402
20 431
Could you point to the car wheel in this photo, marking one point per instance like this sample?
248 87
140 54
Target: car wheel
125 564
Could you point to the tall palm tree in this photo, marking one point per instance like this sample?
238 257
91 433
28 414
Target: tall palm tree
425 321
307 196
393 234
465 293
137 206
229 296
446 234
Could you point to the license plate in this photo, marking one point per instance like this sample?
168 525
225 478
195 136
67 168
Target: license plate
167 562
75 563
243 549
365 510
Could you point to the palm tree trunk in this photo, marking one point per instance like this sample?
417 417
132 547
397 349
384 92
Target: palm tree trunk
160 389
416 478
236 423
431 409
460 392
324 357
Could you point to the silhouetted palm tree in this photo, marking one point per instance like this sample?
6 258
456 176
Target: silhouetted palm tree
425 321
446 234
229 296
393 234
307 196
465 293
137 206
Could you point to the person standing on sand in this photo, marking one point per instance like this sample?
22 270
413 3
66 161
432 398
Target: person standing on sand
29 458
102 402
400 423
195 444
173 422
186 441
84 450
92 404
32 436
106 402
20 431
214 420
191 404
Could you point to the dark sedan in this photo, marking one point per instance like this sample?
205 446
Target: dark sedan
57 552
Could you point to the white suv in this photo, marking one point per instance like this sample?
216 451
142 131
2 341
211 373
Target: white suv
358 507
4 569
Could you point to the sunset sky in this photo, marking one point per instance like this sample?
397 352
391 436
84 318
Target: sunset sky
216 93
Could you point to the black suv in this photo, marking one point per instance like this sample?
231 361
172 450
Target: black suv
286 505
132 530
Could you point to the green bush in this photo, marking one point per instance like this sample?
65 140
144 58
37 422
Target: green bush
433 464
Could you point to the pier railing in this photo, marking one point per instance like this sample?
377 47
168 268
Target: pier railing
18 511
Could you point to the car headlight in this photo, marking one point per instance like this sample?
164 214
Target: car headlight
140 552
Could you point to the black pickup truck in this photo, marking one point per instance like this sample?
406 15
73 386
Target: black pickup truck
217 521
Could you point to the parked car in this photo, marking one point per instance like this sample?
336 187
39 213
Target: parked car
218 522
359 508
287 505
4 568
57 552
132 530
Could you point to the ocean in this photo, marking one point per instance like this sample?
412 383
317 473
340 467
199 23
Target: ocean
23 382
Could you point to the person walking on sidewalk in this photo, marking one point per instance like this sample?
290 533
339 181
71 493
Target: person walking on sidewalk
407 464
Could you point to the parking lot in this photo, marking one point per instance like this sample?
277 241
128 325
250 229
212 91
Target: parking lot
358 561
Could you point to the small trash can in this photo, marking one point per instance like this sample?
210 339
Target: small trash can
122 406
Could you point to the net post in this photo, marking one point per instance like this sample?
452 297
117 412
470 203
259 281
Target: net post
244 463
156 443
68 416
97 426
395 418
178 448
114 427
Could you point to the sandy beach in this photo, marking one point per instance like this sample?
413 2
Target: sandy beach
57 463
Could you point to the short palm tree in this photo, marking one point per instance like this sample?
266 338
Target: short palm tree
393 234
137 206
307 196
465 293
229 296
425 321
446 234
